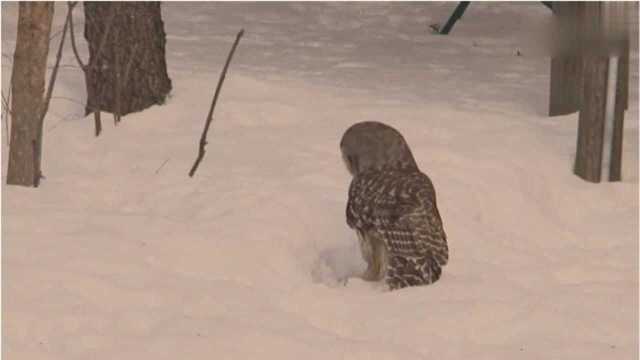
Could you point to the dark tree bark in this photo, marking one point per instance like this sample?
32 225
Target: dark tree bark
615 167
127 71
565 93
591 119
621 104
29 71
604 36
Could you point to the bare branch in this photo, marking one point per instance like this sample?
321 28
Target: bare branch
65 66
73 101
55 35
203 139
68 99
7 106
92 65
36 169
54 73
98 122
5 102
6 113
37 145
71 5
161 166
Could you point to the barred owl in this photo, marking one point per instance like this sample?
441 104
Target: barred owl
392 207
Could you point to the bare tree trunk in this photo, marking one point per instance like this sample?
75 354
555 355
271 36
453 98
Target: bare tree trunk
619 26
604 38
127 73
565 93
29 71
591 119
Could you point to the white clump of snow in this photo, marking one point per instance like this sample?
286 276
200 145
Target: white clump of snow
120 255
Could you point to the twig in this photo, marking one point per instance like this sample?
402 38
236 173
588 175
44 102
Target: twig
52 81
62 66
98 122
75 101
7 112
54 73
71 5
55 35
36 168
203 138
161 166
9 109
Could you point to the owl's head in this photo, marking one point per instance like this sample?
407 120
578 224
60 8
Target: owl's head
373 145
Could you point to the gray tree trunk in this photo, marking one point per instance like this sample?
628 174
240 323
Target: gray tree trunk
128 72
29 71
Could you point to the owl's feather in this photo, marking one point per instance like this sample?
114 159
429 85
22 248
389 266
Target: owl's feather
399 206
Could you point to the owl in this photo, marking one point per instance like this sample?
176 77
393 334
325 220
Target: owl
392 207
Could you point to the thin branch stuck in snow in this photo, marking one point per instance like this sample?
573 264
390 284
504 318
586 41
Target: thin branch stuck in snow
161 166
203 138
37 145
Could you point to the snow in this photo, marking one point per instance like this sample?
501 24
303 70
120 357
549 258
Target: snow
119 254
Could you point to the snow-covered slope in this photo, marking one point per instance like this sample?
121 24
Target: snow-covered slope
120 255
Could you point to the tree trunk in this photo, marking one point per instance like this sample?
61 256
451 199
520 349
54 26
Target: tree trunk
29 71
127 71
604 37
591 119
565 93
622 14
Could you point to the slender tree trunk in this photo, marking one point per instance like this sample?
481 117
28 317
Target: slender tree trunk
29 71
127 73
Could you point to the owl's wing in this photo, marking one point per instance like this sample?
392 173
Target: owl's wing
401 207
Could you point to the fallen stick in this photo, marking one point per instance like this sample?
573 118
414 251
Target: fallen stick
161 166
203 138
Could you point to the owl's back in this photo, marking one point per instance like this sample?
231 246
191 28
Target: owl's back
399 205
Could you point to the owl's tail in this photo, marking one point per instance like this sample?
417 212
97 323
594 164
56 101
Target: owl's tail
406 271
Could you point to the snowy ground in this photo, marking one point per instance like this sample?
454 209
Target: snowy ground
119 255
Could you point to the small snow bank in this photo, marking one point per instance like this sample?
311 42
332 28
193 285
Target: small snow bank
119 254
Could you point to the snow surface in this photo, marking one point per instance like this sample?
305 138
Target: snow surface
120 255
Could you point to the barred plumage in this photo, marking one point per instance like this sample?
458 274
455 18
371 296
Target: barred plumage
392 206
